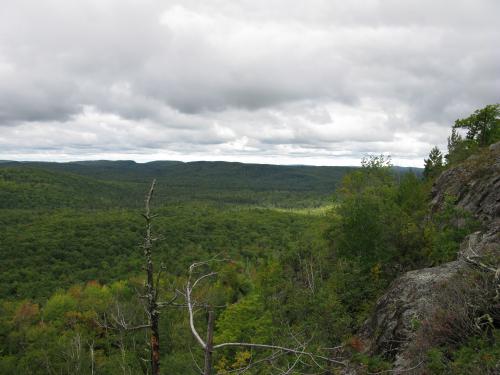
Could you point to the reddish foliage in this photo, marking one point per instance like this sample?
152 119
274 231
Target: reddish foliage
356 343
26 312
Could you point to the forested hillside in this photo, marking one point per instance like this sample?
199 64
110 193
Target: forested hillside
99 184
292 257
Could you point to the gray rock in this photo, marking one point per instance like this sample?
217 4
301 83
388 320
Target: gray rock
495 147
410 299
475 184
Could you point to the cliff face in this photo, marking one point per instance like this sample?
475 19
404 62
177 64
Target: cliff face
475 183
436 305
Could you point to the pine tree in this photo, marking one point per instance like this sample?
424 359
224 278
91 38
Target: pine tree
434 163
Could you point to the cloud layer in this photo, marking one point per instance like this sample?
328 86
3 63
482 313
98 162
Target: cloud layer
317 82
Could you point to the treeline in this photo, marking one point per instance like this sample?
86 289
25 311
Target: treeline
106 184
112 184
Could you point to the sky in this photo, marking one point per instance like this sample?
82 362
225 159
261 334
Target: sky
321 82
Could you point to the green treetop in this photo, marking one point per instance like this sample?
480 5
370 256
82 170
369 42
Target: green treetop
483 126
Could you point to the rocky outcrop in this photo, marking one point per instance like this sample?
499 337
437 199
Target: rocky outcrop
406 315
475 184
401 310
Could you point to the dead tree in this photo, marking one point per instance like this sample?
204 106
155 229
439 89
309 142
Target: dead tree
208 345
151 287
118 321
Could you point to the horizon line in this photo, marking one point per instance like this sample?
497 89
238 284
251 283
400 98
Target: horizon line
190 161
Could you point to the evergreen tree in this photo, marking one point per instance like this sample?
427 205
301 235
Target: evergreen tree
454 142
434 163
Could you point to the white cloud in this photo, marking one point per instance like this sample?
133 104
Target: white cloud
319 82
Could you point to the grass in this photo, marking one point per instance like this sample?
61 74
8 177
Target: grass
309 211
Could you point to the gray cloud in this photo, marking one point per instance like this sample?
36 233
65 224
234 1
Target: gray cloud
282 81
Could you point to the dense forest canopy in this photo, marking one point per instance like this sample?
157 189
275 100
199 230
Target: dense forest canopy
307 251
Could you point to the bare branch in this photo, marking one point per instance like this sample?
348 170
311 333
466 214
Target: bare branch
471 259
190 310
299 352
398 371
194 361
201 278
170 302
277 347
148 200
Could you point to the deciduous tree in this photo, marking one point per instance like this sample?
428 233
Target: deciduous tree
483 126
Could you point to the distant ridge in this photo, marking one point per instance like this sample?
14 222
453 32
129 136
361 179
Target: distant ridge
105 183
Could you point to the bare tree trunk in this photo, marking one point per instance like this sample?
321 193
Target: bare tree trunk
210 344
151 288
91 348
155 346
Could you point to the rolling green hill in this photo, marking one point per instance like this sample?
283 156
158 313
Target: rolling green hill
104 183
122 183
203 174
28 187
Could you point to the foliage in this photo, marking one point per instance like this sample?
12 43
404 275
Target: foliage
446 230
371 364
434 164
378 220
246 320
62 338
483 129
101 245
483 126
376 233
459 149
479 355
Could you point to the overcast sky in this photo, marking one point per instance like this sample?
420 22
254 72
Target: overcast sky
284 82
